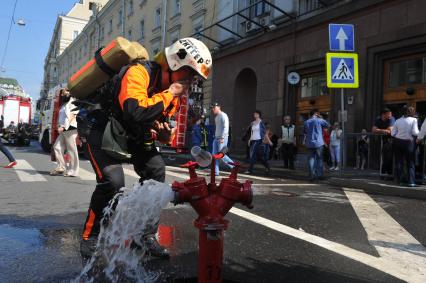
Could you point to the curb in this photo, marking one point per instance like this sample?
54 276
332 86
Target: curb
336 182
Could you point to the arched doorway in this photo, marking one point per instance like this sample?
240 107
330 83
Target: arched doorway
245 91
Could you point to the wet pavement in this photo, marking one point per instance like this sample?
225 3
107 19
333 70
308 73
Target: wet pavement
39 245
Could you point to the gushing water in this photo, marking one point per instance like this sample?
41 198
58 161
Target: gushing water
137 211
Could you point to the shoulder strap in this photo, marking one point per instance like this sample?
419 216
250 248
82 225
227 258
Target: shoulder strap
154 71
102 65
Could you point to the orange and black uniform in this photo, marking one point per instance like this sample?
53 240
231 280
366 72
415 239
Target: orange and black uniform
140 103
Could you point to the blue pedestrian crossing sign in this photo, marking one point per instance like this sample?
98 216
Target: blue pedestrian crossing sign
342 70
341 37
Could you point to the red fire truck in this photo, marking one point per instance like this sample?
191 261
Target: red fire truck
15 108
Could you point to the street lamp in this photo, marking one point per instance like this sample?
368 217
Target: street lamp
20 22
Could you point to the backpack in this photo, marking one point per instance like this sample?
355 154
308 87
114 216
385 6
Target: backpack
102 110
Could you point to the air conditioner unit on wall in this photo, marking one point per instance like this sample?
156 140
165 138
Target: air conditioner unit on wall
265 21
251 27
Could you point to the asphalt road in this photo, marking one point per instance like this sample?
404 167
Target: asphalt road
297 231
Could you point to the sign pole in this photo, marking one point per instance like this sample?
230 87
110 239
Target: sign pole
343 144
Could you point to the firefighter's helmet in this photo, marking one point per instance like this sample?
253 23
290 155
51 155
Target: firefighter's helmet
189 52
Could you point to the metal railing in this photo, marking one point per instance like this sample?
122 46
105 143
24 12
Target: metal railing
375 149
378 147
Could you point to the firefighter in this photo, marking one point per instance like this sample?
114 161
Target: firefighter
148 90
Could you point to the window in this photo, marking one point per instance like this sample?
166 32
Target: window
157 18
102 33
313 86
85 48
407 72
80 52
174 36
176 7
92 40
306 6
258 9
120 17
129 35
74 34
47 105
130 8
197 25
155 47
142 25
110 26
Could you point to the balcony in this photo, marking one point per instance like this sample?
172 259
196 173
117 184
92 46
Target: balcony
260 17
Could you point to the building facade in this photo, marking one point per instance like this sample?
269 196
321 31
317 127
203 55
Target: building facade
154 24
67 29
390 38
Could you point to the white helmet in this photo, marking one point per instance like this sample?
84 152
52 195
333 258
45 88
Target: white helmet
189 52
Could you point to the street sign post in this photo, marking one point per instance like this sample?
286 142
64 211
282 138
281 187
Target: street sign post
341 37
342 72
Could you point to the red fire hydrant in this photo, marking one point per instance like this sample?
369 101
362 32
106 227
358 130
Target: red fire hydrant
212 203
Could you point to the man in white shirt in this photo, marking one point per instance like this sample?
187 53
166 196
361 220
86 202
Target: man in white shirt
221 135
288 142
66 140
404 132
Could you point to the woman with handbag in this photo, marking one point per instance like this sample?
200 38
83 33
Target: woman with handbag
258 131
66 141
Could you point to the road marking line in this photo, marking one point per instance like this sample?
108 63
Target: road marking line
27 173
381 264
285 185
389 238
86 175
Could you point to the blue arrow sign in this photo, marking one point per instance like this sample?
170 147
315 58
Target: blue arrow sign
341 37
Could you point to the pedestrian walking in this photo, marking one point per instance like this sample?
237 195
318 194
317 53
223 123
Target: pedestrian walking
326 150
288 142
200 134
383 127
221 136
335 140
258 131
362 145
66 140
404 133
246 140
314 141
5 150
267 146
273 152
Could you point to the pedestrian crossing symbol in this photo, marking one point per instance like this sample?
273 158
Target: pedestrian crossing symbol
342 70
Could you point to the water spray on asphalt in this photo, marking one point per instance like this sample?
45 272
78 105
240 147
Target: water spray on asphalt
136 210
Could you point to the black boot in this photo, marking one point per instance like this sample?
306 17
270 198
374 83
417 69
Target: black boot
88 247
154 248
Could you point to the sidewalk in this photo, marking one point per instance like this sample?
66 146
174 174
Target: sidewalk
367 180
